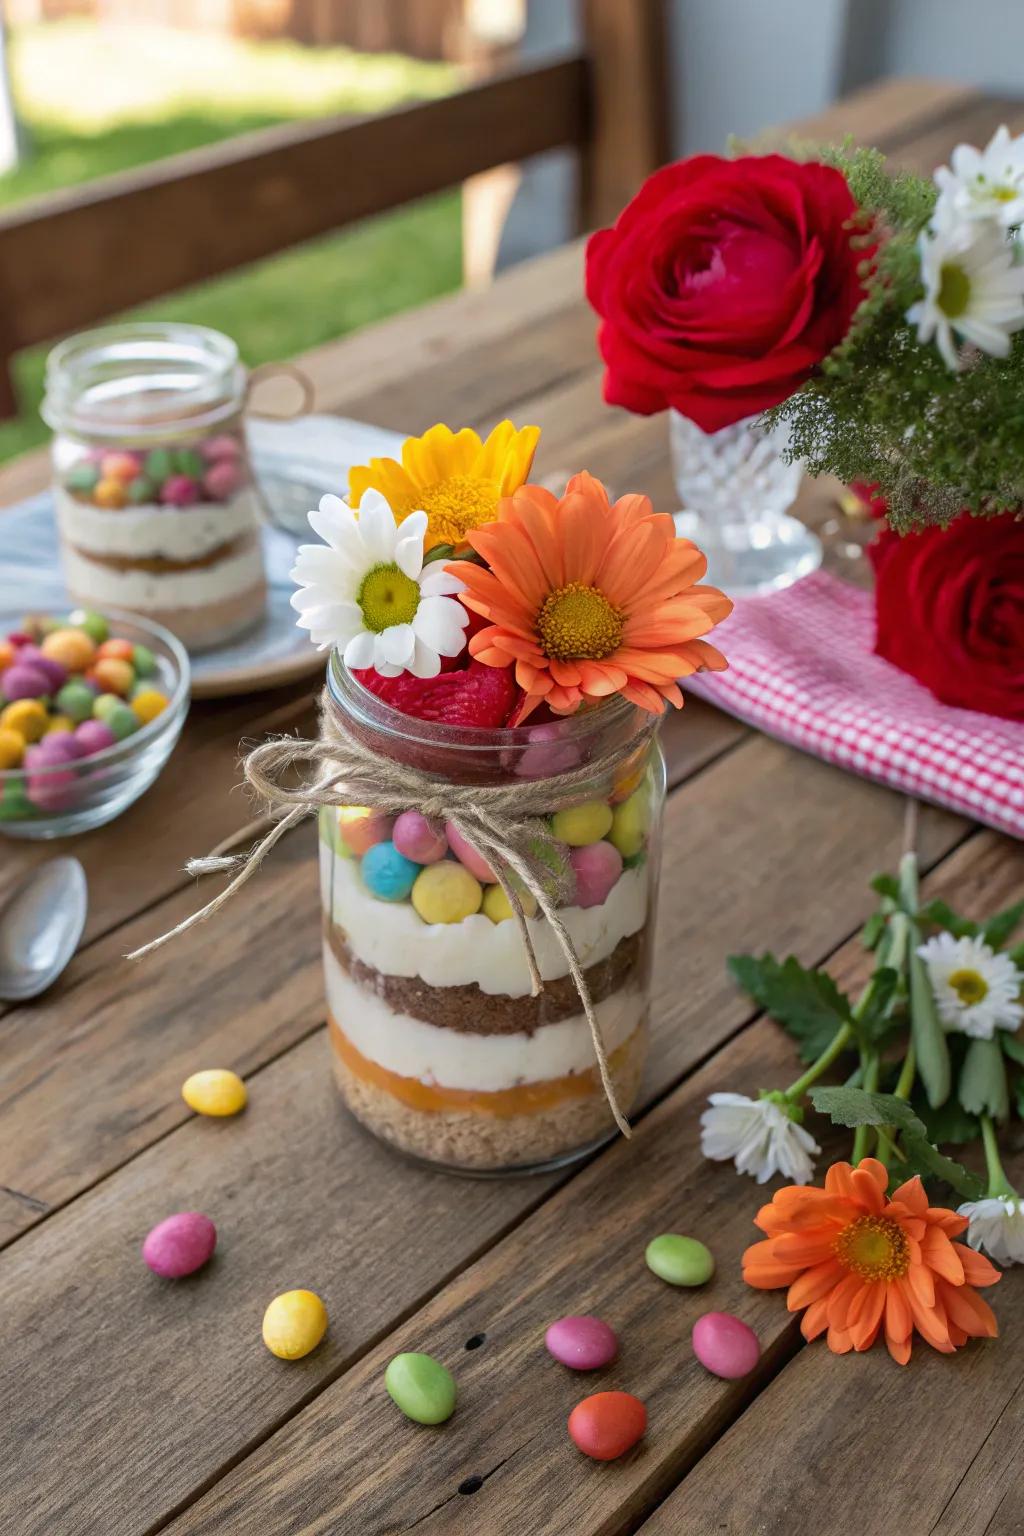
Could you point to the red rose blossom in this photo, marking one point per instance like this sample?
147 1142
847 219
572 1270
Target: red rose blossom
950 610
723 284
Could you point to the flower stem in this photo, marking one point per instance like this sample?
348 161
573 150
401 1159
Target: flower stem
998 1183
905 1081
840 1040
862 1133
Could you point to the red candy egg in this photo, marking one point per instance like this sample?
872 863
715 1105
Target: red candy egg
607 1425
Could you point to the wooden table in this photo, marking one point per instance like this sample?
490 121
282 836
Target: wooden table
133 1406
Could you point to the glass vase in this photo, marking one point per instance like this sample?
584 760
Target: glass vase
736 489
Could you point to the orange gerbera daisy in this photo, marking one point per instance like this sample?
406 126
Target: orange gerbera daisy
590 599
859 1262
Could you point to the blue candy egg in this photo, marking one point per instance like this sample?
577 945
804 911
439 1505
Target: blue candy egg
388 874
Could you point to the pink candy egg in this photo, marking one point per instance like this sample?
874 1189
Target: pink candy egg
120 466
548 753
24 681
57 747
596 867
222 479
56 675
418 839
180 491
468 856
725 1345
180 1245
582 1343
222 447
93 736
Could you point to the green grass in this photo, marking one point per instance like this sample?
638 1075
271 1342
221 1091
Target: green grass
97 100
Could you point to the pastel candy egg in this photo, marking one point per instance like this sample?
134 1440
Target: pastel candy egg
180 491
120 466
75 700
94 736
607 1425
115 646
188 462
73 648
104 704
679 1260
14 802
82 477
12 749
54 747
388 874
222 479
580 825
630 822
294 1324
215 1091
6 654
53 671
360 827
23 681
110 494
419 839
446 893
725 1345
94 624
159 464
421 1387
582 1343
122 720
180 1245
596 867
143 660
57 725
26 716
498 908
224 446
148 703
141 491
467 855
548 753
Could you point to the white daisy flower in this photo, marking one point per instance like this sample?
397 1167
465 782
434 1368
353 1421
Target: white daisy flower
997 1225
976 990
366 591
972 289
759 1136
985 183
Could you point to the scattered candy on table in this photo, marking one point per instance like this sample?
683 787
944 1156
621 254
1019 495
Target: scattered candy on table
215 1091
294 1324
725 1345
607 1425
583 1343
679 1260
421 1387
180 1245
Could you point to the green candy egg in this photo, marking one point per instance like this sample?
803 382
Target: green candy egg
122 720
421 1387
141 490
581 825
630 823
679 1260
159 464
143 661
82 477
94 624
104 705
14 802
189 461
75 700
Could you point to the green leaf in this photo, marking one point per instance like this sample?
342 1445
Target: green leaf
926 1031
873 1017
929 1162
886 885
1018 1094
854 1106
983 1089
949 1125
940 915
1012 1046
807 1004
998 929
1017 956
439 552
871 933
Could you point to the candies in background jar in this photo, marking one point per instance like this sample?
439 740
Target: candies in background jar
182 475
68 689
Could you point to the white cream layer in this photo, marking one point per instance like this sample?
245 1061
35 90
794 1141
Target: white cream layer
392 938
146 591
448 1058
152 531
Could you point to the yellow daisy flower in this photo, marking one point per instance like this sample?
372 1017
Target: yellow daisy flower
453 477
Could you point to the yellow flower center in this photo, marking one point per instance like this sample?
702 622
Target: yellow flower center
969 986
874 1248
954 290
387 596
456 506
578 623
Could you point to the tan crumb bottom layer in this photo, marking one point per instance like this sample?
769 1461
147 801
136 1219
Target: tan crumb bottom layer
203 628
477 1141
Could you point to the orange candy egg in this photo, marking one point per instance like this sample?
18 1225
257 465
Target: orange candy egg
110 494
6 654
608 1424
113 675
119 466
122 650
71 647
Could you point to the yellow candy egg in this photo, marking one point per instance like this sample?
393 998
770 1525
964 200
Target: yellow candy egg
215 1092
59 723
294 1324
580 825
446 893
26 716
12 749
498 908
73 648
630 823
111 494
148 703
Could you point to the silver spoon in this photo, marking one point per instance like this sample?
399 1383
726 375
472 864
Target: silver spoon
41 923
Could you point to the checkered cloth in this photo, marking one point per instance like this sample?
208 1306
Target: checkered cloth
802 668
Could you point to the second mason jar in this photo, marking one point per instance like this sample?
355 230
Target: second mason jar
437 1044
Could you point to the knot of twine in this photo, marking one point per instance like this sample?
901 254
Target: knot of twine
505 824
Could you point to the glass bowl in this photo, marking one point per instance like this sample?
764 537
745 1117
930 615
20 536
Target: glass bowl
57 800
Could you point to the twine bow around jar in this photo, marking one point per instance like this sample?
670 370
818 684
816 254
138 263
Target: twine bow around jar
505 824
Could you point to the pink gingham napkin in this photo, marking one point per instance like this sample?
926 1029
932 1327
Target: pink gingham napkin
802 668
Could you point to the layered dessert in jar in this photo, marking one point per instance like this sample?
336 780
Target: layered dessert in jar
155 504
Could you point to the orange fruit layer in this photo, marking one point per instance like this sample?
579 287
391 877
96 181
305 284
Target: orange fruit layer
504 1102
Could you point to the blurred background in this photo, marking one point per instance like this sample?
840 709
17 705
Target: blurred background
99 88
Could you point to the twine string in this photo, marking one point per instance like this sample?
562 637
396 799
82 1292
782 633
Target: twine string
505 824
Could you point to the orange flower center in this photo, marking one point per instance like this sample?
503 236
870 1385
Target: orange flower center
874 1248
578 623
456 506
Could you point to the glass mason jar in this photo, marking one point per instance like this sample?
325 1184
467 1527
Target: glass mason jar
736 489
438 1046
154 496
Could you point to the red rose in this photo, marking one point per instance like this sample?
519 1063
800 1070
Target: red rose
723 284
950 610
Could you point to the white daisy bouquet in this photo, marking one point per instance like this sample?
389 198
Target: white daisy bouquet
930 1050
924 395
